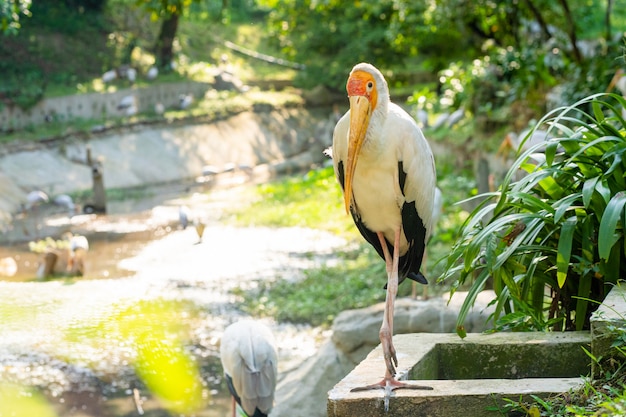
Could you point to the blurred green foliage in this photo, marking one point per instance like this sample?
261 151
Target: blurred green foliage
10 15
21 401
155 331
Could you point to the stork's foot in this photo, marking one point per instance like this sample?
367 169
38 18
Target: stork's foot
390 384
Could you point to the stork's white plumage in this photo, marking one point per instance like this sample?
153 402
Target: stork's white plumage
250 362
387 172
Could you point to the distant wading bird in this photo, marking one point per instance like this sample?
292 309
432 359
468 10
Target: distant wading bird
250 362
387 172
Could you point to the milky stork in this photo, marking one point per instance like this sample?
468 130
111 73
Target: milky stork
250 362
387 172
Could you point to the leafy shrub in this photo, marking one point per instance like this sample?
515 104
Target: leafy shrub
552 241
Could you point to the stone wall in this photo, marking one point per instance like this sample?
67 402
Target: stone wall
152 155
97 105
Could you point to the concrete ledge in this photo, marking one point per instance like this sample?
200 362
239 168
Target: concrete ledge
610 315
469 376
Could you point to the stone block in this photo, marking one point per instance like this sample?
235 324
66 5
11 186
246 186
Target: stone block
469 377
611 315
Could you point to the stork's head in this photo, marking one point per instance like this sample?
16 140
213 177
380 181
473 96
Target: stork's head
367 91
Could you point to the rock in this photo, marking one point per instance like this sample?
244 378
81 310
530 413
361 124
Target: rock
225 81
303 391
355 328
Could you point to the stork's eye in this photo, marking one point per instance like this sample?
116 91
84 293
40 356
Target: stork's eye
370 85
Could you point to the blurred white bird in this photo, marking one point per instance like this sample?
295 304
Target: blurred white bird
109 76
441 120
183 216
36 198
210 170
128 105
159 108
131 74
250 361
152 73
456 117
66 201
185 101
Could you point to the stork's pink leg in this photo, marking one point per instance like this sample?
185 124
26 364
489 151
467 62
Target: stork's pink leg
389 382
386 329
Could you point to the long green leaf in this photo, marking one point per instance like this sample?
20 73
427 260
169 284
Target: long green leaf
565 250
588 189
584 285
563 205
607 235
477 286
597 111
603 189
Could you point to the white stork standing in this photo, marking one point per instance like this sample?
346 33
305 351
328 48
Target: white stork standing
387 172
183 216
250 362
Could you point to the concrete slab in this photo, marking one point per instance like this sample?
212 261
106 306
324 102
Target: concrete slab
469 377
609 316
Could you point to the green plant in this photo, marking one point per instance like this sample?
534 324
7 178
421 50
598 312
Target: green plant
552 240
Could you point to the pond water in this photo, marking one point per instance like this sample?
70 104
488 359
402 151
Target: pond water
61 335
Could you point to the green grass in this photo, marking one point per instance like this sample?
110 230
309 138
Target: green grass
601 397
311 200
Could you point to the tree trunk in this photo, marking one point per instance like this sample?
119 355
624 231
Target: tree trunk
607 19
542 23
165 41
571 30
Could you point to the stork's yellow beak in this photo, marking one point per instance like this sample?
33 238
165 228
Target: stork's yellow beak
360 111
